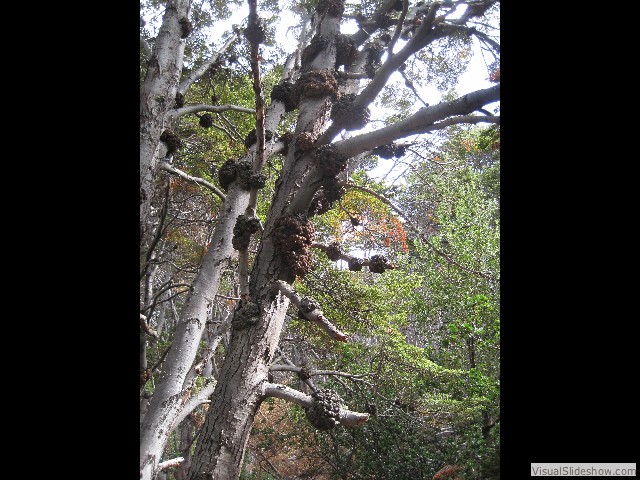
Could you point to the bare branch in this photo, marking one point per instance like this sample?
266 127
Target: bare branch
201 397
473 31
145 326
398 31
347 418
202 69
158 233
179 112
233 129
197 180
293 368
418 231
314 315
333 253
425 120
170 463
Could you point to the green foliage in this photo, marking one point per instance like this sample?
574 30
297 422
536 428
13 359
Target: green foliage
426 336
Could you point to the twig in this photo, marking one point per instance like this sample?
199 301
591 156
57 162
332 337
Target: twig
198 72
179 112
311 373
314 315
398 31
197 180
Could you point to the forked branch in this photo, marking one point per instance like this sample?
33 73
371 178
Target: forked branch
311 311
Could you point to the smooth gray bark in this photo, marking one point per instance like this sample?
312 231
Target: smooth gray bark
156 98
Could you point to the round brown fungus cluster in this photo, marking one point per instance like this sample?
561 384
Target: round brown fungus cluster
247 178
374 58
252 137
307 305
246 316
345 115
171 140
286 139
355 264
255 33
186 27
329 161
284 93
384 20
334 8
346 50
317 83
206 121
227 173
179 100
379 263
145 375
242 231
333 252
293 238
324 414
389 150
303 374
323 200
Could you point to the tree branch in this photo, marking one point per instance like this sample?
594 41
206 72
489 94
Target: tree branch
314 315
158 232
170 463
409 83
202 69
347 418
418 231
292 365
179 112
197 180
398 31
198 399
423 121
333 254
483 37
293 368
145 326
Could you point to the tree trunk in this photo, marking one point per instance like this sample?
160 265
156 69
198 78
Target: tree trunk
156 98
244 372
169 395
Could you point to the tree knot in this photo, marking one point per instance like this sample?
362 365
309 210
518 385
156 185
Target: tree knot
324 413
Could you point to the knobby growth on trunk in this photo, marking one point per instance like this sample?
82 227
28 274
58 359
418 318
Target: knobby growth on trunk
330 83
